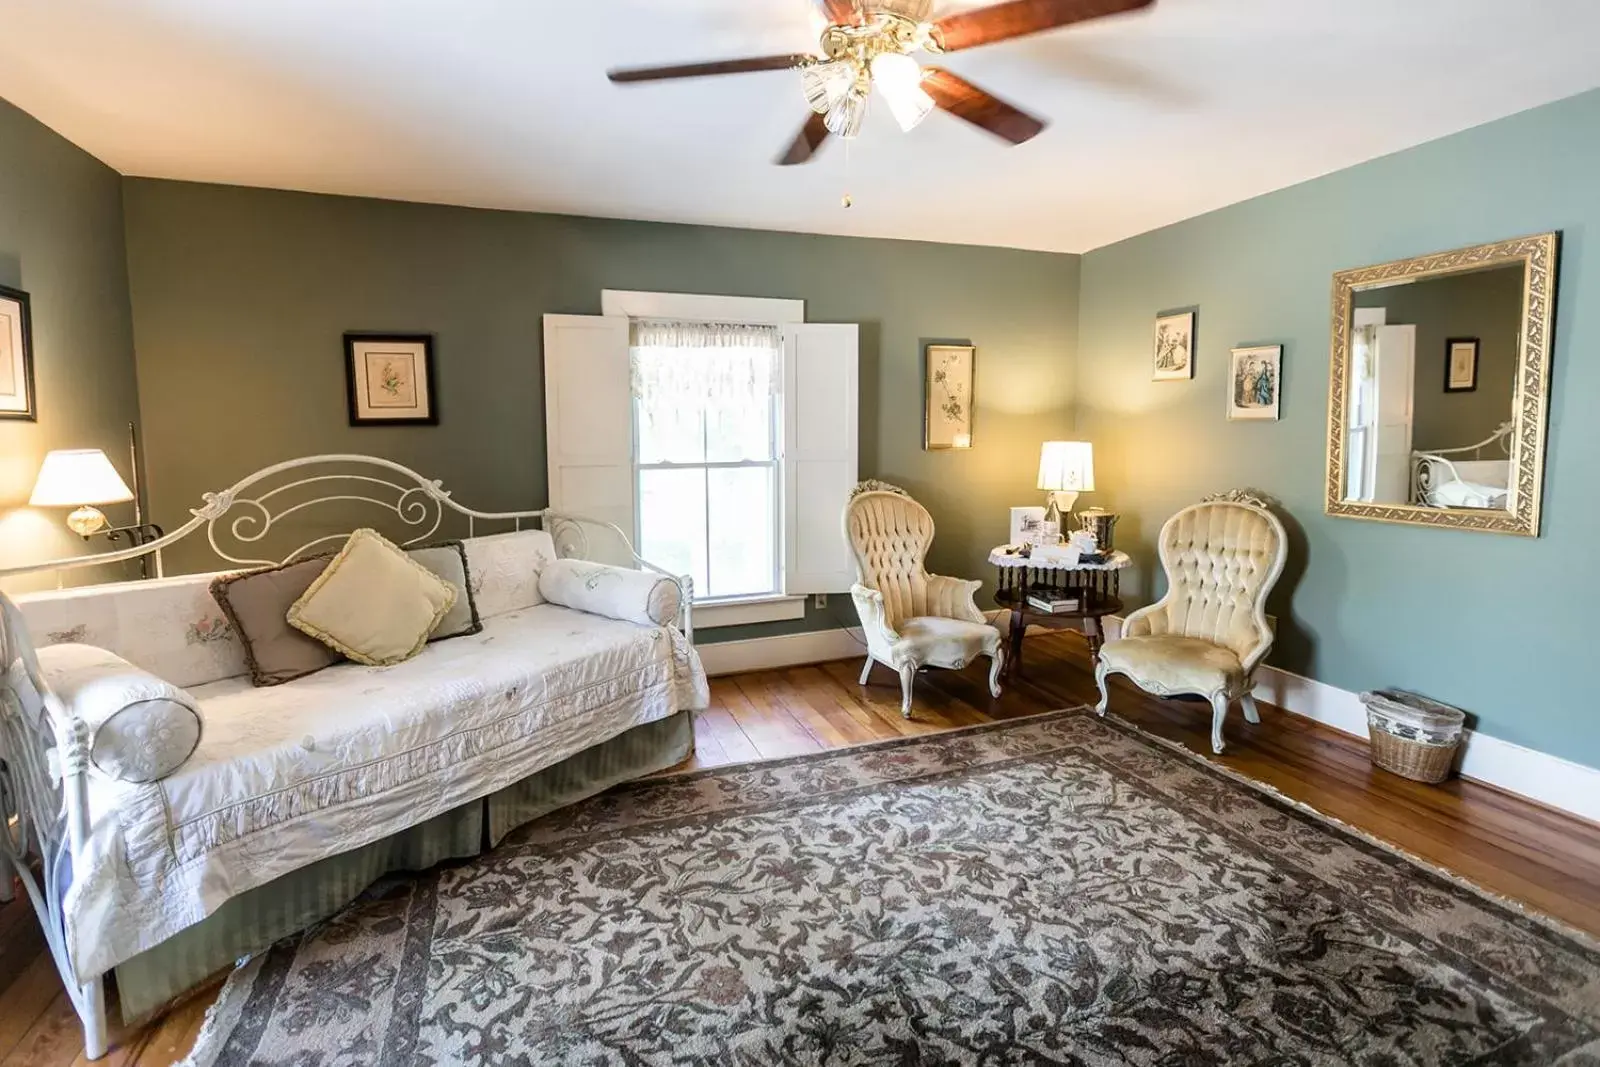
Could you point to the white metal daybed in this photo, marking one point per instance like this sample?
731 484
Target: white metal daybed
166 889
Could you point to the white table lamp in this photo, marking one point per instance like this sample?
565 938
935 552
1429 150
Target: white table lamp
79 478
1066 468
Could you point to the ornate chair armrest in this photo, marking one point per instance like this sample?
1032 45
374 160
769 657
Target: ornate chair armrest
955 598
1142 623
874 616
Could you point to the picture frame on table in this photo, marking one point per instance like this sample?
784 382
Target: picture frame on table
390 380
17 399
1027 525
1255 383
948 379
1461 365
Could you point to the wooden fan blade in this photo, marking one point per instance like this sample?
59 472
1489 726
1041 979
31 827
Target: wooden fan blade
805 145
1018 18
699 70
966 101
842 12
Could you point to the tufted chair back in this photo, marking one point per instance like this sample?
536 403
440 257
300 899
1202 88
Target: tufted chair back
1222 559
889 533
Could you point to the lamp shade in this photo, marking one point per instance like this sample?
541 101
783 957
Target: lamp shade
74 477
1066 467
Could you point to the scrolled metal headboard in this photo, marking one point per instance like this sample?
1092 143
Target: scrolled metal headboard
238 519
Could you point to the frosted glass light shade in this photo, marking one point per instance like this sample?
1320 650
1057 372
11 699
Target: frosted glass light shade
846 117
70 478
1066 467
899 79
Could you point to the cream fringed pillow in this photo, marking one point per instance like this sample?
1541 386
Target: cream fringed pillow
374 604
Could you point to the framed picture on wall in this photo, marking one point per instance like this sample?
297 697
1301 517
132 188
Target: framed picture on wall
1461 365
16 356
947 380
1174 347
390 379
1255 382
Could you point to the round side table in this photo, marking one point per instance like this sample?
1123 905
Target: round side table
1095 585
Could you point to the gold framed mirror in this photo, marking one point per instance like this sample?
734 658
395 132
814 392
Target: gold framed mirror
1439 388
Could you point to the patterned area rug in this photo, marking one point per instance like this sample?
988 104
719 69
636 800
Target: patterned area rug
1059 889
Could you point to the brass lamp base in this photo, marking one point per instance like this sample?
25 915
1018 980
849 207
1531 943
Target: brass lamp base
86 520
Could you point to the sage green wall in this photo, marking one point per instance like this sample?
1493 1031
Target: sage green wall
61 241
241 297
1486 305
1501 626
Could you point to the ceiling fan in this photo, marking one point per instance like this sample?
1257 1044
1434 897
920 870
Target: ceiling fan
875 42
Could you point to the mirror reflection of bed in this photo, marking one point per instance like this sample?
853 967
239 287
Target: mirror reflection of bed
1432 386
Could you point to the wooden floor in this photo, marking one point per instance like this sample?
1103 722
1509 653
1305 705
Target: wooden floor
1548 860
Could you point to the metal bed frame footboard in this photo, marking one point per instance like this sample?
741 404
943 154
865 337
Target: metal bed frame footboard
44 748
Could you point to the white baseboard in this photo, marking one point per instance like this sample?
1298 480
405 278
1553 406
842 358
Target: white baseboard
785 650
1539 776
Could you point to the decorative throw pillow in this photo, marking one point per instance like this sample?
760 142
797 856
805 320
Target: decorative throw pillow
257 604
142 729
616 592
374 604
447 561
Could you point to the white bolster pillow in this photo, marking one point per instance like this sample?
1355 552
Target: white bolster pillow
141 728
615 592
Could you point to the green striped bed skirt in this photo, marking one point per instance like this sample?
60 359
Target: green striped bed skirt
254 920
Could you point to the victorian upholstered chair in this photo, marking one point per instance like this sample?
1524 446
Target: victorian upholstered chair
912 619
1210 632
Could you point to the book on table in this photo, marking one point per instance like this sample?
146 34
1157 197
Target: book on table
1051 605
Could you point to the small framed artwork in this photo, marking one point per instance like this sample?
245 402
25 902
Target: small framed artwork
947 381
1255 382
1174 347
390 379
16 356
1461 365
1027 524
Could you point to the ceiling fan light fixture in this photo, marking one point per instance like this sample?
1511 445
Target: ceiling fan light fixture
899 78
826 84
845 119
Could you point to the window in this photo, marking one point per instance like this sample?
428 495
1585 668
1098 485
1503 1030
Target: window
706 457
723 452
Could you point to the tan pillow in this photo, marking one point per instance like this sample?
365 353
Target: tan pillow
374 604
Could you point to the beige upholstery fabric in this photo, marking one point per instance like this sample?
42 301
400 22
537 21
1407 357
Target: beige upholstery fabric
1209 632
912 619
373 603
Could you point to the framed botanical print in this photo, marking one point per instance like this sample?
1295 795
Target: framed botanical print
16 356
1461 365
1255 382
390 379
947 396
1174 347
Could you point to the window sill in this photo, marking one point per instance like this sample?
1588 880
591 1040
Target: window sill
746 610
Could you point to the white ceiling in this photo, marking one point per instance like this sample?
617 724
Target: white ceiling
503 103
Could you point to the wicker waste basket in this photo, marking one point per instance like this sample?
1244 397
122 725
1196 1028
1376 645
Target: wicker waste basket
1413 736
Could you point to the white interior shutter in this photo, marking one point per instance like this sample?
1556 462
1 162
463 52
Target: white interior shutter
821 374
588 407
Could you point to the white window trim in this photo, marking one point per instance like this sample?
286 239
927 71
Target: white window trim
699 307
696 307
741 611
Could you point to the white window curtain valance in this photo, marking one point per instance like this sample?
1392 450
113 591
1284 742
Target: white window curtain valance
693 365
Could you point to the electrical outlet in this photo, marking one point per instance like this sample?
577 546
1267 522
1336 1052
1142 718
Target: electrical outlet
822 600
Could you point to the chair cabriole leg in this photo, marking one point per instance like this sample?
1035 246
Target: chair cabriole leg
1252 714
1100 673
997 663
1219 712
866 671
908 675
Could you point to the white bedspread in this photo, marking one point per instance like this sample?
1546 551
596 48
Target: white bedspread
288 775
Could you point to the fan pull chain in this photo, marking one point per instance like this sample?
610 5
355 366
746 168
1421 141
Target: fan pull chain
848 201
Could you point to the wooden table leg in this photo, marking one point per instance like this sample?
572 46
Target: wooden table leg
1019 627
1094 632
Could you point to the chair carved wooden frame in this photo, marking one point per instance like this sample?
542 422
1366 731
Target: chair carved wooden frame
1209 633
911 619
